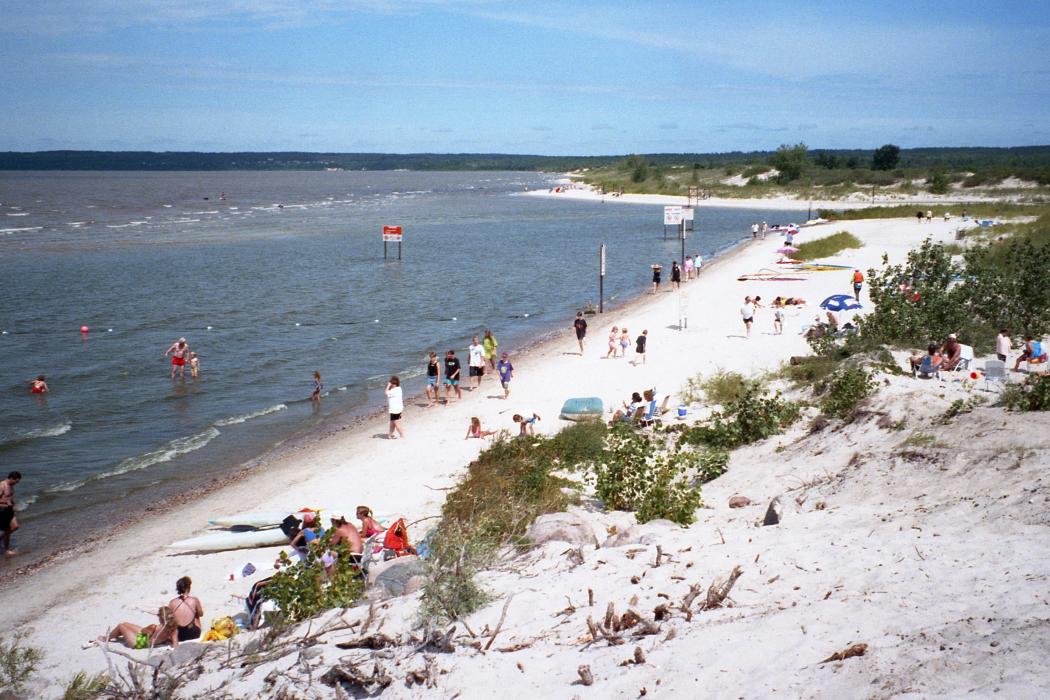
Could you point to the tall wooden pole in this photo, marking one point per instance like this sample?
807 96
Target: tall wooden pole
601 279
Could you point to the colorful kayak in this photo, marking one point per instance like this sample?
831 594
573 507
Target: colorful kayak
264 518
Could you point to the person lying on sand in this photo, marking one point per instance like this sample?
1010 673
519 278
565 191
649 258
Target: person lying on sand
135 637
474 429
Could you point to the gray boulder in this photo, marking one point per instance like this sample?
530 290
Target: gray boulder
397 577
562 527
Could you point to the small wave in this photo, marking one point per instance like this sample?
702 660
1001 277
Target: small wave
171 450
52 431
16 230
212 211
25 503
248 416
21 213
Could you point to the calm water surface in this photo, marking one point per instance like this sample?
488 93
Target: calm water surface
283 277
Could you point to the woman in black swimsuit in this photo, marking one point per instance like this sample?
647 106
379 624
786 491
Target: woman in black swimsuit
656 278
187 611
433 369
676 275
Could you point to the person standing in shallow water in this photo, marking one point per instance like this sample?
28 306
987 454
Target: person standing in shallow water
180 354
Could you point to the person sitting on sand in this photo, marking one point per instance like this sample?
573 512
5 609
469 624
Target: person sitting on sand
345 532
951 352
474 429
932 359
528 427
369 526
310 531
833 322
39 385
187 611
135 637
626 414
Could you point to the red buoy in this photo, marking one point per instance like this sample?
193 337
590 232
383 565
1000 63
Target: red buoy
83 329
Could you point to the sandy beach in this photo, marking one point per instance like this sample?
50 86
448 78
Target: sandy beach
129 573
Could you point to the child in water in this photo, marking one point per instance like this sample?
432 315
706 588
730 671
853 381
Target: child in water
527 426
318 387
195 365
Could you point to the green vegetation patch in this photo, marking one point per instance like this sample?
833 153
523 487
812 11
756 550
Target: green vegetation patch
827 246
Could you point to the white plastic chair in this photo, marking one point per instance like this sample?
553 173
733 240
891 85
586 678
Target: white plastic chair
965 357
994 371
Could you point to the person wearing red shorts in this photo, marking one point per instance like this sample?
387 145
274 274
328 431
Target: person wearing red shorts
180 353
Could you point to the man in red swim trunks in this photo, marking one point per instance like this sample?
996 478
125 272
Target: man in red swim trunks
180 354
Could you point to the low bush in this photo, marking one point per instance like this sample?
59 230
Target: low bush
452 589
809 371
643 473
827 246
303 589
720 387
86 687
753 416
1032 395
18 664
846 388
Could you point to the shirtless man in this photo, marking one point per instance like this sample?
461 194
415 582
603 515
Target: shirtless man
8 521
346 531
180 354
187 612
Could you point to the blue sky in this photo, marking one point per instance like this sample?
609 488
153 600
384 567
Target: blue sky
521 77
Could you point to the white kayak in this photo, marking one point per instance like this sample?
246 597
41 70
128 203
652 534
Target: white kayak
271 518
229 539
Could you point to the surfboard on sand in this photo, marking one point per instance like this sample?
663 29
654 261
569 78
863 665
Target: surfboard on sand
230 539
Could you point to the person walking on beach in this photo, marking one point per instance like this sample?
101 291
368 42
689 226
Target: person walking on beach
452 371
639 347
39 385
614 336
433 372
747 314
8 521
858 282
490 343
506 373
180 353
656 277
698 261
315 396
688 265
396 402
625 341
754 231
580 326
765 230
778 320
676 275
476 361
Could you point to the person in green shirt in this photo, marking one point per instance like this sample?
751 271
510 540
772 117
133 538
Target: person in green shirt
490 344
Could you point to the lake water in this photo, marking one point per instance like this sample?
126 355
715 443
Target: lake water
282 277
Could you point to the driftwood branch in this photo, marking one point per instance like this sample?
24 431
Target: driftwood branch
499 625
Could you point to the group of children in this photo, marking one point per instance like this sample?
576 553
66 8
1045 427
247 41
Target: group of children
620 340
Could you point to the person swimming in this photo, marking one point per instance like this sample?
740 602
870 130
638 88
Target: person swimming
39 386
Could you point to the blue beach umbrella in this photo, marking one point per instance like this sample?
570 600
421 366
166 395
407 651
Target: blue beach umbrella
840 302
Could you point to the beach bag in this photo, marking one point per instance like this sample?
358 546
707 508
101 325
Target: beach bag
290 526
221 629
396 543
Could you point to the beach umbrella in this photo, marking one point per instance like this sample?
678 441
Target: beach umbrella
787 250
840 302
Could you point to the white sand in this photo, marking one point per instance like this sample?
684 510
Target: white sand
881 593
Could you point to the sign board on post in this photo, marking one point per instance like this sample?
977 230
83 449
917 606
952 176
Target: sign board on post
392 234
673 216
688 212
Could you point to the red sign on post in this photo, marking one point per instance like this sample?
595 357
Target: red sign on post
392 233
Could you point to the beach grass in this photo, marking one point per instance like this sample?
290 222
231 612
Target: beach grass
977 210
827 246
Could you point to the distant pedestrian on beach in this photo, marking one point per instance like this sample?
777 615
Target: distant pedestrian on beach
639 346
433 373
195 365
765 230
395 400
474 429
747 314
490 344
676 275
614 338
528 427
452 372
180 353
476 360
778 320
754 231
625 341
656 278
8 521
580 326
920 216
929 216
698 261
39 385
858 282
688 266
318 387
506 373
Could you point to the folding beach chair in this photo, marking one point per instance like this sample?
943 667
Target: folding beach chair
652 416
965 357
926 369
994 371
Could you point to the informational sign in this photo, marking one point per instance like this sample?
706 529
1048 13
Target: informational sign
602 256
392 234
673 216
688 212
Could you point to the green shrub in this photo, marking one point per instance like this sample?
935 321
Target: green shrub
752 416
846 388
303 589
711 464
809 371
1032 395
827 246
720 387
18 664
452 590
938 182
641 472
85 687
